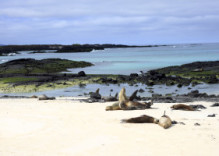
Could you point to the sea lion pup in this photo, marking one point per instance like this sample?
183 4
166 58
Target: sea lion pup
126 104
182 107
165 121
141 119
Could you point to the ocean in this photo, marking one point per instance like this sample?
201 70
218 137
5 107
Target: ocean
130 60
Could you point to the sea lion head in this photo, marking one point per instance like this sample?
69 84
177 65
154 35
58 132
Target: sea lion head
156 121
123 90
173 106
109 108
122 96
98 90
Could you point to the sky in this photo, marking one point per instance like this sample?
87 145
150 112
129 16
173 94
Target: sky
133 22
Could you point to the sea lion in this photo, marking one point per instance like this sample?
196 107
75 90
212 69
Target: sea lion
115 106
95 95
126 104
182 107
141 119
44 97
34 96
165 121
110 98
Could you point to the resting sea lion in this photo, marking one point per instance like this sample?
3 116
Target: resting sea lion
110 98
182 107
34 96
44 97
141 119
95 95
115 106
126 104
165 121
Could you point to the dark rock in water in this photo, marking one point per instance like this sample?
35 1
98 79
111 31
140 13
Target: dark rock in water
141 90
65 83
195 94
198 106
122 78
197 124
107 80
170 83
168 95
156 95
81 73
179 85
81 85
151 91
215 105
194 83
151 83
211 115
152 72
212 79
131 84
133 75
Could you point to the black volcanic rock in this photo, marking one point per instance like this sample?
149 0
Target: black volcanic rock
81 73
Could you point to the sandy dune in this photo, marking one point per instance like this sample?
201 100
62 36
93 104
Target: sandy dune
67 127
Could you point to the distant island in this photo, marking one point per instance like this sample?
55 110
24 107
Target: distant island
6 49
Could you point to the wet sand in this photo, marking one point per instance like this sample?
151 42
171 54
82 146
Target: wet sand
67 127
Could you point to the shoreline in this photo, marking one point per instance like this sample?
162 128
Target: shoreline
66 126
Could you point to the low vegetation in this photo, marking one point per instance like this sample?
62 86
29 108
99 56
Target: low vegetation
32 66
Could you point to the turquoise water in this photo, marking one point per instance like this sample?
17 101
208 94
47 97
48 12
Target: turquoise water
129 60
105 90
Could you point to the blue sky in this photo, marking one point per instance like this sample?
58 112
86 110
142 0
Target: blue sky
114 21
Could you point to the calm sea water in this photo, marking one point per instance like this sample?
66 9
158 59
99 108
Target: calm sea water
131 60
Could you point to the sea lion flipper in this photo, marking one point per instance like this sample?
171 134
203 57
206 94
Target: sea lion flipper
133 96
97 91
116 95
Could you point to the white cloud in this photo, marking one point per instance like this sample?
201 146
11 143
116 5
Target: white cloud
116 17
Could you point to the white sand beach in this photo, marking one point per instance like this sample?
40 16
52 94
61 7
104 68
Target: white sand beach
67 127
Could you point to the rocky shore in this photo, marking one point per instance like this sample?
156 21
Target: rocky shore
29 75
